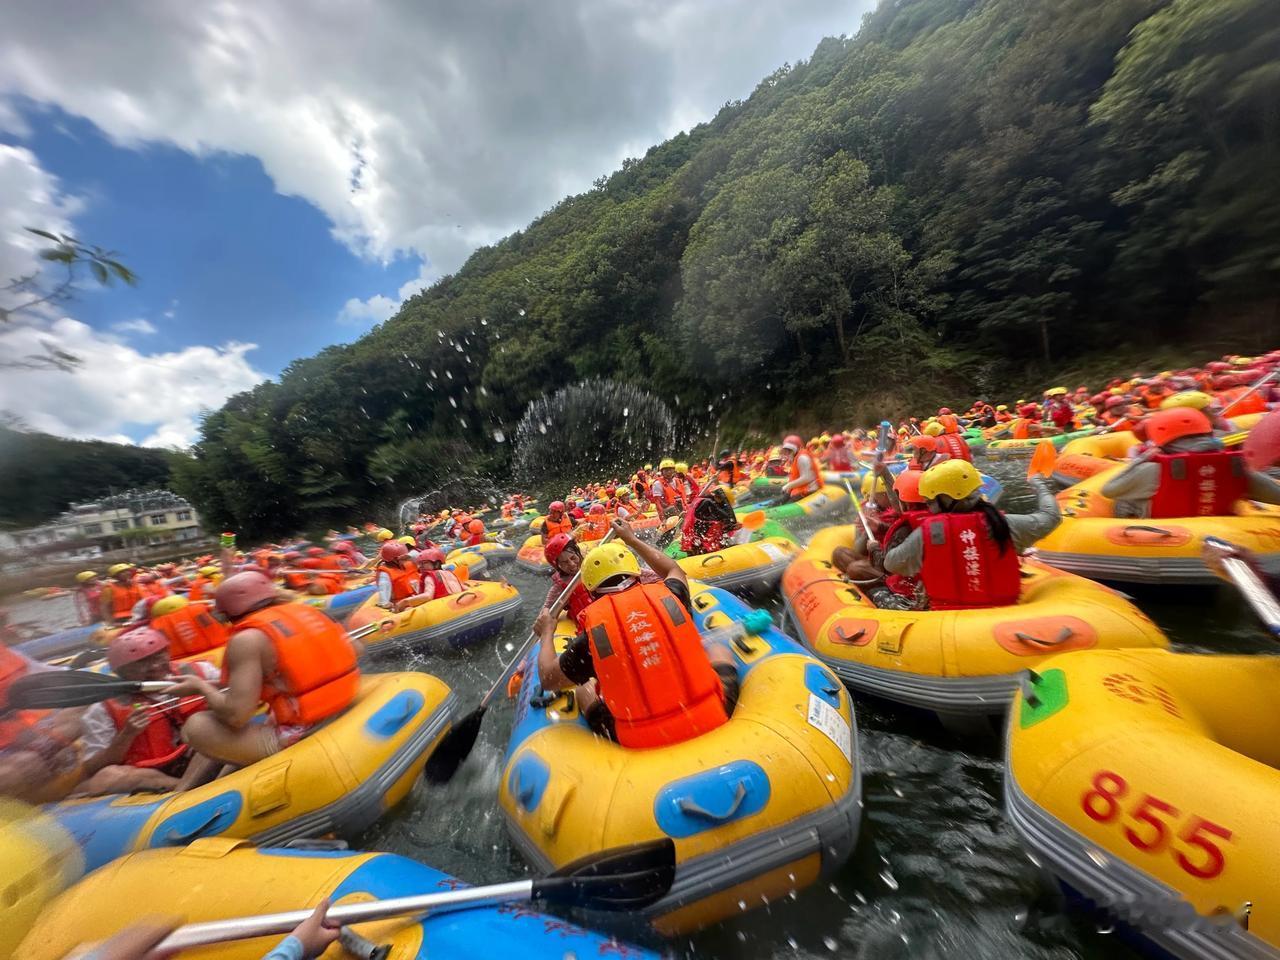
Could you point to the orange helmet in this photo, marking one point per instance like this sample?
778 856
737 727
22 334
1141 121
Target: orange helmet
1165 426
907 486
476 526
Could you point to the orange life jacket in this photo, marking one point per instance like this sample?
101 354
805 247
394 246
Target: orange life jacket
13 722
124 597
1023 429
950 423
196 590
963 567
316 674
160 743
652 671
332 583
405 581
794 474
191 630
1199 484
955 446
551 527
594 528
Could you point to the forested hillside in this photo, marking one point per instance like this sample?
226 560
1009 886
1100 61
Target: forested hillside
41 475
963 186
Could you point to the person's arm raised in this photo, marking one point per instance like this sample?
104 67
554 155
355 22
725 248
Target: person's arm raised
655 559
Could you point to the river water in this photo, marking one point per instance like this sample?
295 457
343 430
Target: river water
937 872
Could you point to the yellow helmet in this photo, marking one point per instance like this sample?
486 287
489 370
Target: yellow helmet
933 429
407 540
648 467
667 462
871 484
84 576
167 605
825 438
1194 399
956 478
682 467
1003 408
208 570
118 568
383 535
605 561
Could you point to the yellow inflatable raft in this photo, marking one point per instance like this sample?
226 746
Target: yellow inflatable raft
1147 782
338 779
493 551
530 557
221 879
753 567
38 860
481 610
761 806
1093 542
955 662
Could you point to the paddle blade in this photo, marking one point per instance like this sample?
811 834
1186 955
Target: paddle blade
66 688
1043 460
753 520
624 878
455 747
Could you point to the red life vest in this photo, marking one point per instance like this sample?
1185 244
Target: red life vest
794 474
160 742
88 604
444 582
653 673
192 630
1199 484
579 598
963 567
954 446
316 674
13 723
902 585
838 459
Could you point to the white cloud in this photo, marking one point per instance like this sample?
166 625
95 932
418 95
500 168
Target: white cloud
31 198
421 128
365 313
137 325
118 390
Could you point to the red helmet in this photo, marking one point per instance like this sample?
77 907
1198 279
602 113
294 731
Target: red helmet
392 551
1117 401
1165 426
555 546
431 555
555 506
837 440
572 502
1028 410
315 551
292 555
344 546
793 441
944 411
243 593
907 485
1098 400
134 645
597 509
476 526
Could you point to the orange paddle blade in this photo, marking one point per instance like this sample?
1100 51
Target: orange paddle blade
753 520
1043 460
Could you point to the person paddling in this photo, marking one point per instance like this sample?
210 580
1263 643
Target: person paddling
656 682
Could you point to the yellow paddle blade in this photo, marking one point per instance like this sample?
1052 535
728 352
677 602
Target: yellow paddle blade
1043 460
753 520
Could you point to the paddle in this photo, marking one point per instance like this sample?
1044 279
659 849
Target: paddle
1043 460
54 689
623 879
456 745
879 471
1250 584
857 508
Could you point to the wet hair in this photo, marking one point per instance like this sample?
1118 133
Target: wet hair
996 521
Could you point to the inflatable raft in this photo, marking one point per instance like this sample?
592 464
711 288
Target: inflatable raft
341 605
753 567
1006 449
766 804
206 881
831 498
954 662
481 610
1146 782
529 556
338 779
1093 542
38 860
494 551
64 643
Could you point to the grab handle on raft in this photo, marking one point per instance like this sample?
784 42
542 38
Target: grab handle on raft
1065 634
466 593
1147 529
694 809
1027 687
718 558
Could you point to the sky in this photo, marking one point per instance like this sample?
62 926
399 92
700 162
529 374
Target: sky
282 174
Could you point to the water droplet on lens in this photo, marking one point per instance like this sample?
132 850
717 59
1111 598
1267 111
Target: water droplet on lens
1105 928
830 944
499 436
521 311
742 905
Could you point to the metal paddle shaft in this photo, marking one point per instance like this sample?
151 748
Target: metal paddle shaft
1255 591
857 508
624 878
457 744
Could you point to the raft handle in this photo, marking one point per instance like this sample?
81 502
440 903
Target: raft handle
712 556
1147 529
1065 634
694 809
467 593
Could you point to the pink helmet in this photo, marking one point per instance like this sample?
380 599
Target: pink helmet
134 645
597 509
555 506
315 551
393 550
344 546
243 593
432 555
